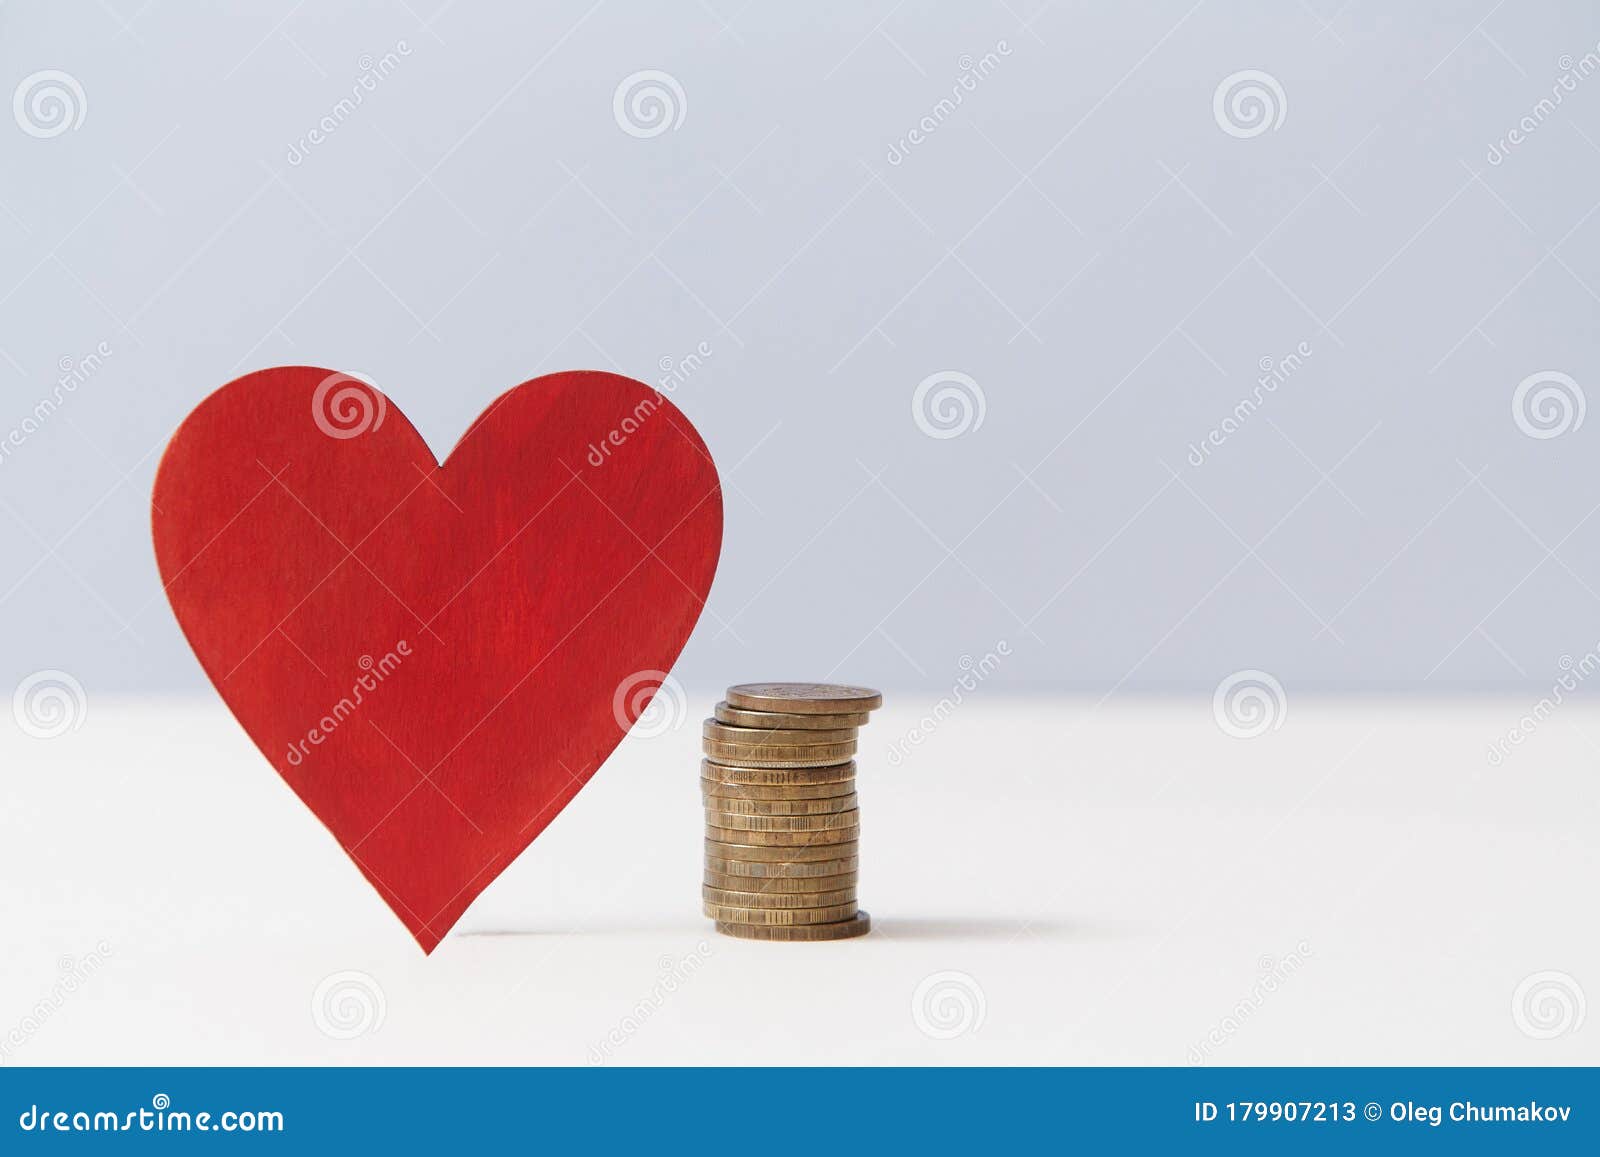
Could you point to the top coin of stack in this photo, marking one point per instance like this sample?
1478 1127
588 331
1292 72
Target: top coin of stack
782 826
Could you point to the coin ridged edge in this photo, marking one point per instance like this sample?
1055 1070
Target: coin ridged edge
746 776
858 925
739 717
779 885
768 854
807 806
778 763
782 749
794 824
781 917
743 837
720 732
733 867
750 697
728 898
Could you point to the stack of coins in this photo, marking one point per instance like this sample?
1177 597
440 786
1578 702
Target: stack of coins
782 826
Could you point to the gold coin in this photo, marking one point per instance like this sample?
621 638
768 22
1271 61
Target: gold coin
728 791
767 899
720 865
744 837
738 717
779 885
812 823
778 776
778 754
766 736
829 915
778 807
770 854
859 925
803 698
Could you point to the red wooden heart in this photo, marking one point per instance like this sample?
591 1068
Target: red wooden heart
436 658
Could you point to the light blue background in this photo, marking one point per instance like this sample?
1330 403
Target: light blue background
1080 237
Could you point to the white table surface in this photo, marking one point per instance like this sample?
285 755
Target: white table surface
1113 881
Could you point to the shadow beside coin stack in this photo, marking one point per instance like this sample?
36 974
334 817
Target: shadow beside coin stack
782 825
